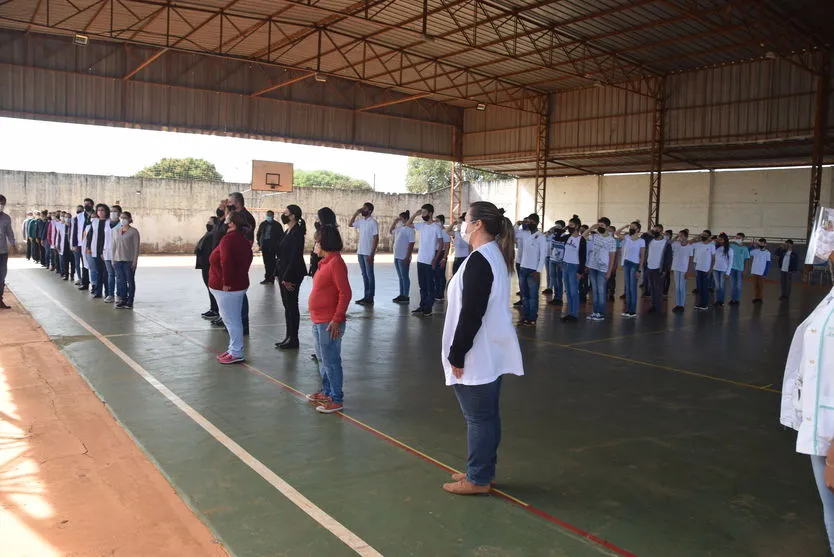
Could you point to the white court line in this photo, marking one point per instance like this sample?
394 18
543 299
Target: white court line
335 527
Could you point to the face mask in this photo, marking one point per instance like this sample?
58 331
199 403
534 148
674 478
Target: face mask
601 230
219 213
228 220
231 208
532 227
426 218
285 219
704 237
79 211
209 227
88 207
736 241
364 212
125 222
571 229
632 231
656 235
465 233
270 219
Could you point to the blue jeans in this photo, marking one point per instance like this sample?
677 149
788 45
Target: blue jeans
549 282
554 273
599 290
719 280
78 270
529 286
480 407
680 288
329 354
818 465
110 283
569 271
126 280
425 276
367 268
630 271
403 269
702 281
736 280
230 305
98 274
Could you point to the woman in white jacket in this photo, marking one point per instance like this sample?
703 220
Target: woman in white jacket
480 344
808 398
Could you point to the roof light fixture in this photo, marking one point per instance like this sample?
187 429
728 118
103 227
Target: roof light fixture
480 106
81 40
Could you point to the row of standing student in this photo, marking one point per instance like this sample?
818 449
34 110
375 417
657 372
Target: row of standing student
575 253
97 246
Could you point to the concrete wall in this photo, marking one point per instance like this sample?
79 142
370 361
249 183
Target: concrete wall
171 214
769 203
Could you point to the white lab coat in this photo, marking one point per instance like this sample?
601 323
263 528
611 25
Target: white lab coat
808 387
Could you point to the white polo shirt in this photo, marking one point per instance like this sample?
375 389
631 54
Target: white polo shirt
681 254
368 228
600 248
655 257
761 257
631 249
534 251
723 262
703 256
429 233
403 235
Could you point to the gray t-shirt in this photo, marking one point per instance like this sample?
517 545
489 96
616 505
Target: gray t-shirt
6 233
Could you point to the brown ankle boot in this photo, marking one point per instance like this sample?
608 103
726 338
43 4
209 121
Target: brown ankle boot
465 487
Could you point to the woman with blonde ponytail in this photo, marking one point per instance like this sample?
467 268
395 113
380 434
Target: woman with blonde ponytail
480 344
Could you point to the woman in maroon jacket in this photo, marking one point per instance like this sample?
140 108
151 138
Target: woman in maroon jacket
229 280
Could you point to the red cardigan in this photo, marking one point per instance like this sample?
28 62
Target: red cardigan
331 290
229 262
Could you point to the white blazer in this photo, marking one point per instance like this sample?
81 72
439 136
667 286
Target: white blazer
808 388
495 350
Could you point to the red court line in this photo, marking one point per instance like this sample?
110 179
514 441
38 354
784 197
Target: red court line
396 442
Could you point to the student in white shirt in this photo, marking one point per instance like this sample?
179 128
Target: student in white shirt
460 245
479 344
573 267
759 268
681 260
532 262
601 260
704 250
807 405
112 227
556 256
722 268
521 232
404 237
741 254
634 255
427 256
658 265
368 242
440 270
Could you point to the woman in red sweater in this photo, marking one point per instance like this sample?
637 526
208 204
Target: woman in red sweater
328 304
228 282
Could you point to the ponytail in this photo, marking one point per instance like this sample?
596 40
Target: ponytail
506 241
302 224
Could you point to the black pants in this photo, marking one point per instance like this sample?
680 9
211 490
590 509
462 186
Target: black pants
70 259
4 262
667 282
291 313
212 300
269 264
655 282
28 249
787 283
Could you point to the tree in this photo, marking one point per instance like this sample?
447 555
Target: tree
188 169
328 179
428 175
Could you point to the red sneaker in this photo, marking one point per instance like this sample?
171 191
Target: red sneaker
329 407
228 359
318 398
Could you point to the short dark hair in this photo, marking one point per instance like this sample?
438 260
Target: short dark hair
326 215
270 213
116 207
329 238
369 205
2 199
789 241
463 216
128 216
441 218
86 199
658 225
763 240
428 207
741 234
405 215
238 197
102 206
707 231
605 220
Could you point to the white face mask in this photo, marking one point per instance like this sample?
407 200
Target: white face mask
125 222
114 215
465 233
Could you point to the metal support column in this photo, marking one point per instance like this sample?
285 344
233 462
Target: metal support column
542 150
658 137
820 132
455 191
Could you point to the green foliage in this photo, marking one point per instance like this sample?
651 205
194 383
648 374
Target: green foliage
428 175
188 169
328 179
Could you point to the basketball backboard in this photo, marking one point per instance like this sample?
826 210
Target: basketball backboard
272 176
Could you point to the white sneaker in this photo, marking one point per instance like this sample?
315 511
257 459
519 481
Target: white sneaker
108 300
119 299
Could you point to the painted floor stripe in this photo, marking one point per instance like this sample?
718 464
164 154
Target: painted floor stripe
325 520
602 543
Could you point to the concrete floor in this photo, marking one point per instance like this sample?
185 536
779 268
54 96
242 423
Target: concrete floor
653 437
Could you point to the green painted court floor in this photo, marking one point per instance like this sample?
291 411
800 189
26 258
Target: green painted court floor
654 437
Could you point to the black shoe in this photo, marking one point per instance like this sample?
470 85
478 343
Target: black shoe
292 344
757 301
677 309
264 281
518 304
569 319
547 291
218 322
82 287
96 296
555 302
210 314
417 311
281 343
652 310
361 302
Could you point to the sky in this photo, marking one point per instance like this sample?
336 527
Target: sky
40 146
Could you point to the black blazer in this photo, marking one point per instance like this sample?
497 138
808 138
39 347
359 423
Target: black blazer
291 266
